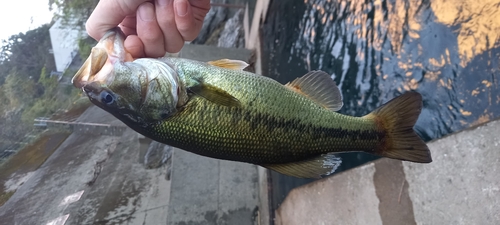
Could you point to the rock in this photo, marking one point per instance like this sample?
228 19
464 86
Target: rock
157 155
214 18
232 36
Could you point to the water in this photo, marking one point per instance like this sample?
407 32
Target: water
449 51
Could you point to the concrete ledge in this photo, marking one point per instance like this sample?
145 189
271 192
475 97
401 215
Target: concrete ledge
461 186
211 191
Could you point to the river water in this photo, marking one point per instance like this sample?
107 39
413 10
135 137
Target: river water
449 51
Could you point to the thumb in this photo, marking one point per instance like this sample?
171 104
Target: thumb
108 14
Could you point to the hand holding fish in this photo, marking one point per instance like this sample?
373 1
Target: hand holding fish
152 27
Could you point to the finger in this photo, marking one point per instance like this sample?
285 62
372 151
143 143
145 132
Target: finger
128 25
185 20
201 4
173 41
108 14
149 31
134 46
200 9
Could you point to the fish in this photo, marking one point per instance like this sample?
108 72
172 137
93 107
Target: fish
218 110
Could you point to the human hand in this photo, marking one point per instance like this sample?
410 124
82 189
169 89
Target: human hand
153 27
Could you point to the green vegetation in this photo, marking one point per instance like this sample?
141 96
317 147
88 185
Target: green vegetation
4 196
27 89
74 12
85 46
25 54
53 98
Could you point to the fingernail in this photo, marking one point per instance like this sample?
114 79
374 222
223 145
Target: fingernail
181 7
146 12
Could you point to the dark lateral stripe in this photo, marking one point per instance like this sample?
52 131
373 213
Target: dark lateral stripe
271 123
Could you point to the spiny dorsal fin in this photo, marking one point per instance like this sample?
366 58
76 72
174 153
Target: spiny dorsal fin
316 167
215 95
319 87
229 64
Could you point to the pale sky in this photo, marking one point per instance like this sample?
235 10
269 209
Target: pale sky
21 16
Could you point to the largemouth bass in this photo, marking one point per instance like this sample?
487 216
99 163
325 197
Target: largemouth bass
216 109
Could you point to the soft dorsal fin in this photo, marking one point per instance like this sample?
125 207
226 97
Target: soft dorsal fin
229 64
215 95
319 87
315 167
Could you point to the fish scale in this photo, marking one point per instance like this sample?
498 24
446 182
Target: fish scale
291 129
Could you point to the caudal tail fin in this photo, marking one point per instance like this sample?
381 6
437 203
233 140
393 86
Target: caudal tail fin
397 117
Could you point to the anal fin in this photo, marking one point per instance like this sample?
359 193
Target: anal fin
315 167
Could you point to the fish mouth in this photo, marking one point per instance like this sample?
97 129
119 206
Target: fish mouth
99 65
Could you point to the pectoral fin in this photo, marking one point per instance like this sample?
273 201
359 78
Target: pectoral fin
316 167
215 95
229 64
319 87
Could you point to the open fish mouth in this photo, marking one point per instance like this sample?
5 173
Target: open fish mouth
99 65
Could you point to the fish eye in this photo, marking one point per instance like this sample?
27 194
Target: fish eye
107 98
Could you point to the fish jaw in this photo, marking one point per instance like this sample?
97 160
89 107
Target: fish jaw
99 65
138 91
